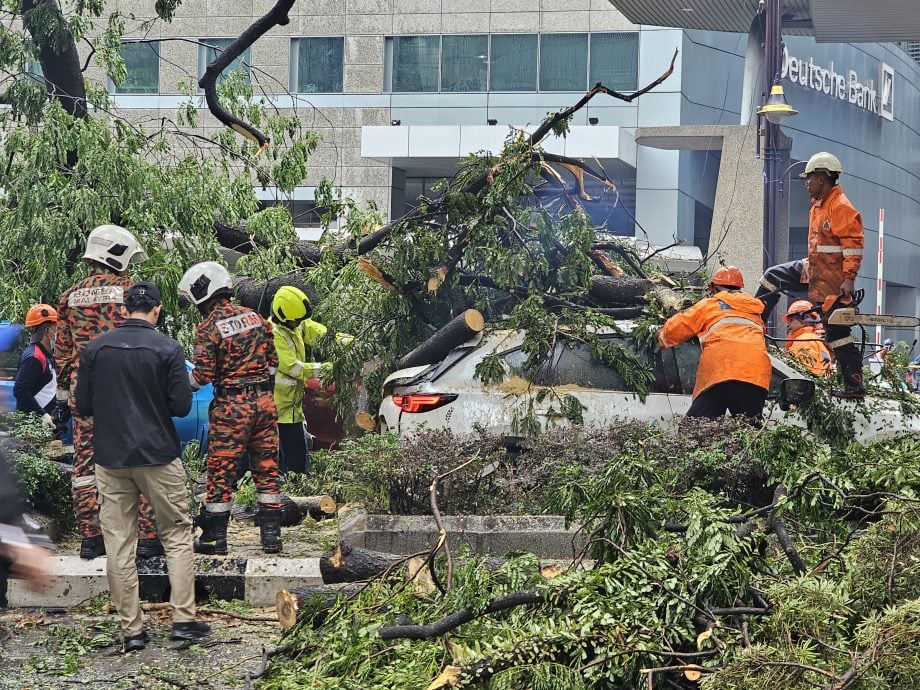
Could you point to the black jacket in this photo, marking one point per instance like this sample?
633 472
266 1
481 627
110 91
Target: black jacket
35 381
132 382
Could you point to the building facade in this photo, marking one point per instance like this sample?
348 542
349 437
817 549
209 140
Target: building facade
400 90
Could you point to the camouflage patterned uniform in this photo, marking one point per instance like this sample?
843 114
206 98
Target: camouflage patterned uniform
91 307
234 349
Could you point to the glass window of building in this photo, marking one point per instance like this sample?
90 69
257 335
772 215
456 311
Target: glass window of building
212 47
464 63
513 62
615 60
318 64
563 62
416 62
142 67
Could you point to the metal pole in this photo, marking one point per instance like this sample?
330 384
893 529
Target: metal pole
879 284
772 156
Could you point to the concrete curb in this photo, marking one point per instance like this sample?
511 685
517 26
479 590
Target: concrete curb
545 536
73 581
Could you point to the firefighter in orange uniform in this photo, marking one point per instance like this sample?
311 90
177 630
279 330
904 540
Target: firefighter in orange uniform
803 341
835 248
734 370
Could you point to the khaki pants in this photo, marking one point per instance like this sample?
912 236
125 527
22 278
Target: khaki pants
164 486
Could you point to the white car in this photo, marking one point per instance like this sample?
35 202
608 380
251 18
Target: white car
451 395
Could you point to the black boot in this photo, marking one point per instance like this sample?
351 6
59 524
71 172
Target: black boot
849 362
92 547
213 538
148 548
270 529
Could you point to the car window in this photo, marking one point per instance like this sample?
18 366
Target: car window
14 340
573 364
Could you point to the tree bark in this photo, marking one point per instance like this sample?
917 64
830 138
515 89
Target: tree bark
445 339
310 604
57 53
350 563
366 415
259 295
623 290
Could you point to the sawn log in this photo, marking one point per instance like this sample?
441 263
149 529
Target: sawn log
445 339
317 507
350 563
310 604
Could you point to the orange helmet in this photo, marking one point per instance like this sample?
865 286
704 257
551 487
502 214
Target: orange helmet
803 310
39 314
728 276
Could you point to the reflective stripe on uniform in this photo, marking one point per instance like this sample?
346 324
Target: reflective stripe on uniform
285 380
834 344
296 369
88 480
852 252
268 498
740 320
218 507
829 249
767 284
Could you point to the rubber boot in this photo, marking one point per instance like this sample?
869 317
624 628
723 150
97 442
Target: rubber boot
213 537
849 362
270 529
92 547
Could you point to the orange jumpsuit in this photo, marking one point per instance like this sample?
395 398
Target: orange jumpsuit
835 245
731 333
809 349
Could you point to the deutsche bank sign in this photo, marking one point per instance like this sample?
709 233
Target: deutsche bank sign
845 87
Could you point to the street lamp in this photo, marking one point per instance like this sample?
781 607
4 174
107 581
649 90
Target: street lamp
776 109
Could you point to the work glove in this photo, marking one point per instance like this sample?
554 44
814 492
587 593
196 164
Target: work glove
344 339
48 422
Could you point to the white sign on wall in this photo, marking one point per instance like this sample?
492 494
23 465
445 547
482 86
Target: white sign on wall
843 86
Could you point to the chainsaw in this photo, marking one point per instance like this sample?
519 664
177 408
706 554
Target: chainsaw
842 312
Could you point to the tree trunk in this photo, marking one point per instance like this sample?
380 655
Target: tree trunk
57 54
623 290
317 507
454 333
259 295
350 563
310 604
366 415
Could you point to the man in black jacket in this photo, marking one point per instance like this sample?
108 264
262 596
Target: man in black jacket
132 382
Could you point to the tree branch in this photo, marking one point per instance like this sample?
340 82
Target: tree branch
276 16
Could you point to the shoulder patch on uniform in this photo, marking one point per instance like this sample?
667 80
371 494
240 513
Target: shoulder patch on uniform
827 225
723 305
238 323
88 296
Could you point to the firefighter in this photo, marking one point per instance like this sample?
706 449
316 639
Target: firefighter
803 340
734 370
93 305
296 335
36 376
234 350
835 246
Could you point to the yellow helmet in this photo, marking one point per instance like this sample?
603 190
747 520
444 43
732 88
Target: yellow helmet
290 304
822 162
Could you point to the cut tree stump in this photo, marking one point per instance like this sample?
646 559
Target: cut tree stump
366 415
455 332
350 563
311 603
317 507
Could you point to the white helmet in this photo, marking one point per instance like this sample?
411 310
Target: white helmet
822 162
114 247
202 281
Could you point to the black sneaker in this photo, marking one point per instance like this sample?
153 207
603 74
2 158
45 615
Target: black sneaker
135 643
148 548
92 547
190 631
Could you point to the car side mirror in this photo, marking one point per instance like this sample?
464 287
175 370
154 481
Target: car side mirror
795 391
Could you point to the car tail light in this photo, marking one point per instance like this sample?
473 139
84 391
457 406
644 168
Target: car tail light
422 402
